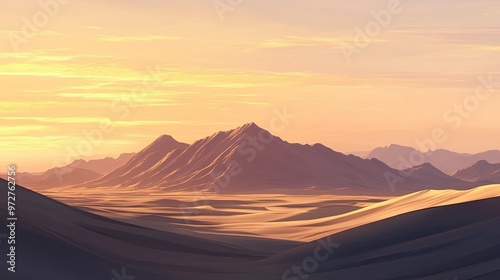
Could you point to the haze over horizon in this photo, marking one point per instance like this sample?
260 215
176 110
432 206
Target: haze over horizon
81 68
73 154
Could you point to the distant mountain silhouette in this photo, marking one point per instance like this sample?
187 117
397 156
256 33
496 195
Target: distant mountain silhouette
401 157
77 172
361 154
428 173
480 171
52 179
249 158
103 166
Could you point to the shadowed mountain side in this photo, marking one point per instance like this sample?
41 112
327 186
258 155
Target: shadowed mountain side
426 172
400 157
480 171
56 241
495 177
361 154
459 240
250 159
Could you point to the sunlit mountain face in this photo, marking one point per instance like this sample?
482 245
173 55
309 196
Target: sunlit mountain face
224 139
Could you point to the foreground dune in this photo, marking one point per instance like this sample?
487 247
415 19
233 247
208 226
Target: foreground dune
57 241
301 218
458 241
309 230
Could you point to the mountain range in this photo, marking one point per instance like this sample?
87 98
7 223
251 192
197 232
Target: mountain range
426 234
401 157
251 159
77 172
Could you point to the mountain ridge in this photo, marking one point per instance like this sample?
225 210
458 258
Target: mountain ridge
480 171
449 162
250 158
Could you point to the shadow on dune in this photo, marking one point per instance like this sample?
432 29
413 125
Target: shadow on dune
461 240
56 241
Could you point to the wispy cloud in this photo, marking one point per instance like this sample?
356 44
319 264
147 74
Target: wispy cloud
22 129
89 120
309 41
94 27
137 38
67 120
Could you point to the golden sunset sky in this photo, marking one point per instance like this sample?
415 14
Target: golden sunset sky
88 60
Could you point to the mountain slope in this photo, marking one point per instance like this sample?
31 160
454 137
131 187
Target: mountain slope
427 171
141 162
250 159
480 171
259 165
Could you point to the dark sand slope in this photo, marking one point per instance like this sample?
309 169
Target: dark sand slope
461 240
56 241
59 242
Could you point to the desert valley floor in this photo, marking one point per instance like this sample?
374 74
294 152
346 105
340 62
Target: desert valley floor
149 234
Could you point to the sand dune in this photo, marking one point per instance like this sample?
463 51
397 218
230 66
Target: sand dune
57 241
459 240
318 228
298 217
305 224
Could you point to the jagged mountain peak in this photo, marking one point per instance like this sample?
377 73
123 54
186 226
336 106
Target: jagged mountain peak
165 139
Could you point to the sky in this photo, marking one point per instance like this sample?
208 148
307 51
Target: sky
98 78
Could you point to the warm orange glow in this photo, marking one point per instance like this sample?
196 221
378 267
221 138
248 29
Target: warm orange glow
82 70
